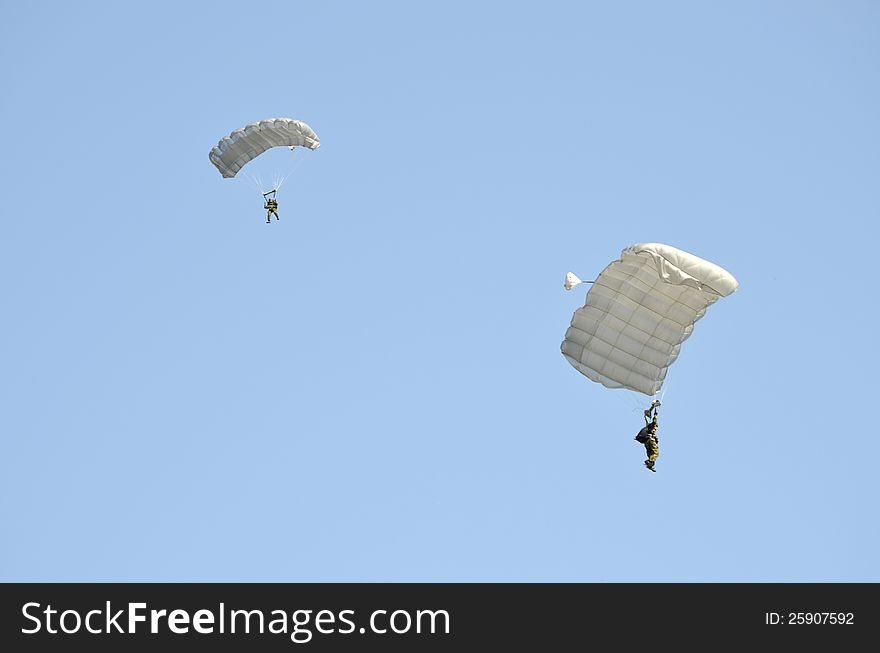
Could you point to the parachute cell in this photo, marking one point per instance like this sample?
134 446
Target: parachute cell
638 312
233 152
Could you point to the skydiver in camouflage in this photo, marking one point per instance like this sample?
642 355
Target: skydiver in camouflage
648 435
272 206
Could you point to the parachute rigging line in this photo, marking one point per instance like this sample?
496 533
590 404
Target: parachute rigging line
665 387
290 172
258 183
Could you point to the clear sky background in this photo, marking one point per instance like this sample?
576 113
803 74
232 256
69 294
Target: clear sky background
371 389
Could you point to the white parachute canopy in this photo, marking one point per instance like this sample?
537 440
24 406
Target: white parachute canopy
571 280
243 145
638 312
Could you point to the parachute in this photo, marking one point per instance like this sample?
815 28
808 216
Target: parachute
637 314
243 145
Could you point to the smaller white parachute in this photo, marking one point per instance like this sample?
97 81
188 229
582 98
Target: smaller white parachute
243 145
571 280
638 312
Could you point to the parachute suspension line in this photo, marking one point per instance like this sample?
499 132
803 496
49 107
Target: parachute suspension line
254 180
290 172
629 399
665 387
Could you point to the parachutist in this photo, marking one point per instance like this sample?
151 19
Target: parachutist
648 435
638 312
272 206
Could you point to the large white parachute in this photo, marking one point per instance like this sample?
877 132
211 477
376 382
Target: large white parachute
243 145
638 312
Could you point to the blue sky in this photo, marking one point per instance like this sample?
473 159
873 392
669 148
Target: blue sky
371 389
